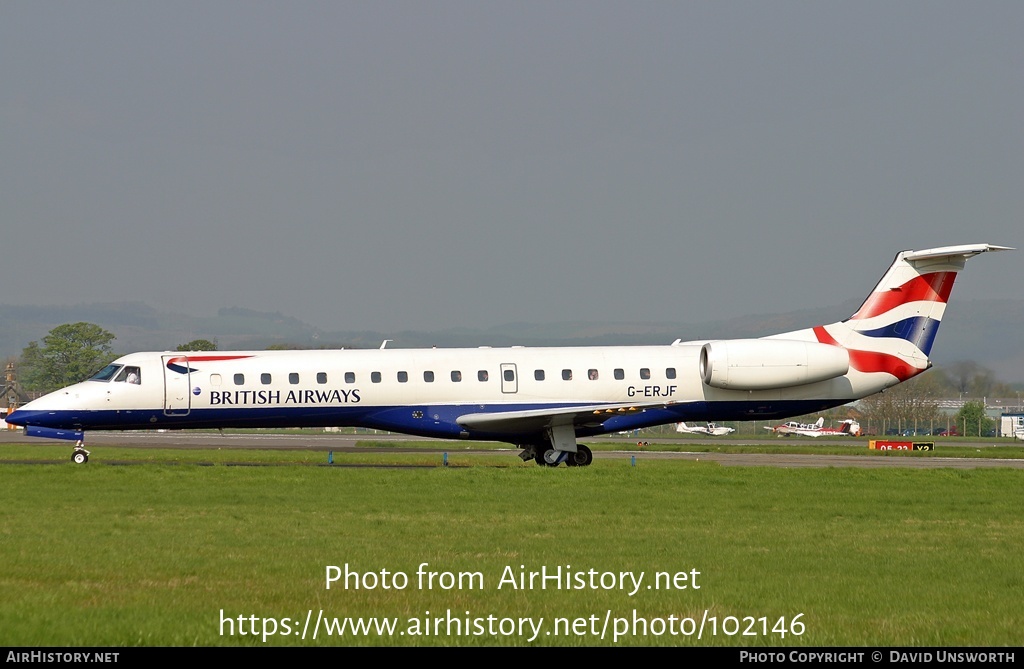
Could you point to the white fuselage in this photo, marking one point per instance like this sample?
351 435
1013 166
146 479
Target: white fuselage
422 391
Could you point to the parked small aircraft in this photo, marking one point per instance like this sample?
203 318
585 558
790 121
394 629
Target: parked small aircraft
710 429
849 427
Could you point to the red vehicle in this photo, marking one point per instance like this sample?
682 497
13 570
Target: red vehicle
950 432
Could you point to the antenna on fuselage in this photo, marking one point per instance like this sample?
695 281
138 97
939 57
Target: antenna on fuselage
384 343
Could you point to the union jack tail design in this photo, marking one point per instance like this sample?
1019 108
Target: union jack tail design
893 331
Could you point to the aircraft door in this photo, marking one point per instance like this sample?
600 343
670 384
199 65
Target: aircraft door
509 381
177 385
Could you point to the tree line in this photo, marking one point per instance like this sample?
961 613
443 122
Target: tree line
73 352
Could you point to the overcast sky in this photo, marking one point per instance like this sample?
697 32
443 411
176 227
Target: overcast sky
425 165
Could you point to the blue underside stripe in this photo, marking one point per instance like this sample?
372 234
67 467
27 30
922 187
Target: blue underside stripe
404 418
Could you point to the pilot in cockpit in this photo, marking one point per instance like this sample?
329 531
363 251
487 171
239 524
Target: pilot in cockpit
131 375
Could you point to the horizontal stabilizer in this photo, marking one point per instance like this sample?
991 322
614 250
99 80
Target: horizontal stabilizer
966 251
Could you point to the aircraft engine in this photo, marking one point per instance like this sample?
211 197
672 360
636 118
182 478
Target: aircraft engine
763 364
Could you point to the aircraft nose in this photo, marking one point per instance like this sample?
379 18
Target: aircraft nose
26 414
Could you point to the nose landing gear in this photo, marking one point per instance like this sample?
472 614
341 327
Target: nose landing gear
79 456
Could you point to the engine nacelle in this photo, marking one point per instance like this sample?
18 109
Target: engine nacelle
763 364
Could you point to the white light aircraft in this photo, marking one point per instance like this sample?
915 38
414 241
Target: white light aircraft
711 429
849 427
541 399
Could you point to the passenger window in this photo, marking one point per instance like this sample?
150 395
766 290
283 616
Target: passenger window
214 379
567 375
428 377
481 375
645 373
592 374
538 374
293 378
456 376
350 377
670 373
321 377
239 379
619 374
375 377
510 375
403 377
265 379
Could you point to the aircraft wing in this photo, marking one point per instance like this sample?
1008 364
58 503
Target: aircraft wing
537 420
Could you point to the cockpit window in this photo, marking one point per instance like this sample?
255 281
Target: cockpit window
130 375
106 373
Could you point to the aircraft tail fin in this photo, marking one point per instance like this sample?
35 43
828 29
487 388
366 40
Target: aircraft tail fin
911 297
893 331
821 422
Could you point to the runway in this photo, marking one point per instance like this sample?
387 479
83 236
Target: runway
348 443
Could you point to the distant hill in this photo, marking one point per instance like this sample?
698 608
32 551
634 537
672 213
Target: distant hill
986 331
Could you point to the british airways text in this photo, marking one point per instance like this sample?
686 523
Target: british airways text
234 397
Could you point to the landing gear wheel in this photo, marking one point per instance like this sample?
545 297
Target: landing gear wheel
581 458
547 456
80 456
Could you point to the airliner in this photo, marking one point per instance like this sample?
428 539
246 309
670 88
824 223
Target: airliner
541 399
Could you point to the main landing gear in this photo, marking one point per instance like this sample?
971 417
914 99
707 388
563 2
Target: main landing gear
581 458
79 456
548 456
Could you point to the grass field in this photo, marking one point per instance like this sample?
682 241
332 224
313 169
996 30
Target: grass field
163 554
